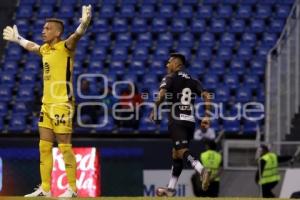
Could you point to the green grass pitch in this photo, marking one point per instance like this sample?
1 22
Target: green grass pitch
132 198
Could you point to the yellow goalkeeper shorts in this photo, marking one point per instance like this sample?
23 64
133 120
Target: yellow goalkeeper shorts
58 117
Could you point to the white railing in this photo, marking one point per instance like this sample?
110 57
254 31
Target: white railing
282 80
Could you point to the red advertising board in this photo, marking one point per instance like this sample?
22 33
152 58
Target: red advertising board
88 172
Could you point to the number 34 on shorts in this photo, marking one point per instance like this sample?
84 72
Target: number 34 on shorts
57 117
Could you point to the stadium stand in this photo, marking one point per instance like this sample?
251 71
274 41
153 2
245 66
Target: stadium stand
226 43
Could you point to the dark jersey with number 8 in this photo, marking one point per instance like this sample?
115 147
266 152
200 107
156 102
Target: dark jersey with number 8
181 91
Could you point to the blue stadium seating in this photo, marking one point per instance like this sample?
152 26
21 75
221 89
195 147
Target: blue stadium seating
231 126
17 124
225 42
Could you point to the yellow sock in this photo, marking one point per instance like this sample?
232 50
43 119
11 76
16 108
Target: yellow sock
70 163
46 163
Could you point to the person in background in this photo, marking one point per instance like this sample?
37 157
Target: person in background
57 110
204 132
267 175
212 160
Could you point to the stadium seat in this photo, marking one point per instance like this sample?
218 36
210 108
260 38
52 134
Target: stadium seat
217 66
228 39
186 40
20 108
198 26
25 11
218 26
276 26
237 26
161 53
231 126
282 11
258 66
3 109
251 80
267 2
141 53
32 66
28 78
34 125
123 40
269 39
250 127
204 11
165 39
127 11
1 125
101 26
179 26
119 25
245 52
263 11
10 67
107 124
119 54
65 11
224 53
17 124
231 2
139 25
22 25
243 94
147 11
185 12
150 79
25 93
244 11
130 77
45 11
106 11
146 126
7 78
204 53
224 11
50 2
145 39
211 81
185 51
231 80
165 11
249 39
159 25
103 39
222 94
257 26
207 39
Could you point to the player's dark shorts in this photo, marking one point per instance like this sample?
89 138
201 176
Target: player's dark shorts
181 134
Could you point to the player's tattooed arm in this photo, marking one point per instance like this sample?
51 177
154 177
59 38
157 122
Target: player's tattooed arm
159 100
207 97
85 20
12 34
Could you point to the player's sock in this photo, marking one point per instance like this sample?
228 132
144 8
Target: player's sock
193 162
176 171
46 163
70 163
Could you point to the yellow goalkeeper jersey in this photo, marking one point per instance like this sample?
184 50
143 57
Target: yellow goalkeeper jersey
57 73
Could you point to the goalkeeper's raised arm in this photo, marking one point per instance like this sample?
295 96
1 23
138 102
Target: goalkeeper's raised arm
84 23
12 34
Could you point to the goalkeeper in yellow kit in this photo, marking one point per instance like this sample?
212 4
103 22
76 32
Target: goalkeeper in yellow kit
58 102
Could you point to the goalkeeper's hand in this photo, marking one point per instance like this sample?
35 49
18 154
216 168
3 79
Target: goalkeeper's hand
85 19
11 34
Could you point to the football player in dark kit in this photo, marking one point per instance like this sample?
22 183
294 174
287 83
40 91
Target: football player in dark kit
179 90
